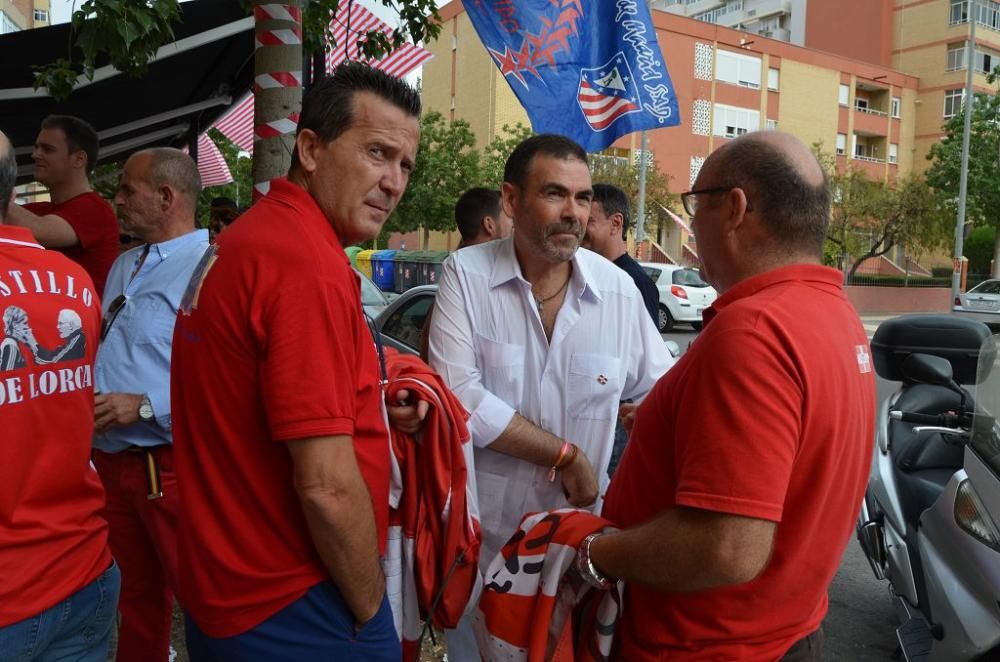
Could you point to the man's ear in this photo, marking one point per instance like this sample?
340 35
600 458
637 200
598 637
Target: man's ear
79 159
738 204
168 197
489 226
308 143
617 220
508 193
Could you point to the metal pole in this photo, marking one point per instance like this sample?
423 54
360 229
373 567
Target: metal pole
963 178
640 212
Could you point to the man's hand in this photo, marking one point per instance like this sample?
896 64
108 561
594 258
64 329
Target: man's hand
114 409
407 415
626 413
580 482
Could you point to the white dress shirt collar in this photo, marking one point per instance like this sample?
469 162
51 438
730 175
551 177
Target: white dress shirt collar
507 268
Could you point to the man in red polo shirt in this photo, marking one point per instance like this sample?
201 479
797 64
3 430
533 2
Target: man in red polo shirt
58 585
738 490
279 426
77 221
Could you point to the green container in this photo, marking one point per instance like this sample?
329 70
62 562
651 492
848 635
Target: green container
352 254
406 270
431 266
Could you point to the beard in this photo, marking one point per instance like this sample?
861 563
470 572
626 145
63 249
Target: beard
561 248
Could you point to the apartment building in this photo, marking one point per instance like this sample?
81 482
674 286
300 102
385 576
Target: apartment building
727 82
23 14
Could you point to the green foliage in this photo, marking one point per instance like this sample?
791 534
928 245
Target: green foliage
447 164
496 152
983 196
869 218
415 15
126 32
129 32
979 249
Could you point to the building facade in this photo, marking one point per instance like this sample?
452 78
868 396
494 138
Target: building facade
18 15
728 82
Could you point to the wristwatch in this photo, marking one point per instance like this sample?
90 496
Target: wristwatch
585 566
146 409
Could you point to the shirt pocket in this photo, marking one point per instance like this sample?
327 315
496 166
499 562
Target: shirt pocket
491 490
502 369
593 386
154 322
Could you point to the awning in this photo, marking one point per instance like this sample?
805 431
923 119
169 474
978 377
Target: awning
189 85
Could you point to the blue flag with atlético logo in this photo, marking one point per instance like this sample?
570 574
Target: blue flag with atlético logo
590 70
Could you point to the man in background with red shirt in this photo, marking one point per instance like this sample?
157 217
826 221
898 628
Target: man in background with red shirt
58 584
747 462
77 221
279 427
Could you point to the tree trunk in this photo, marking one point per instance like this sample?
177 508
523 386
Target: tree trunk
277 88
995 265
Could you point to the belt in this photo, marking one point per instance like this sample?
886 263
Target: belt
154 488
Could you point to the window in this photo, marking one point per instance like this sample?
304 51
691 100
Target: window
742 70
893 152
772 79
42 15
959 11
861 103
772 125
956 57
713 15
844 95
953 102
986 59
730 121
987 13
7 24
841 144
407 324
895 107
688 277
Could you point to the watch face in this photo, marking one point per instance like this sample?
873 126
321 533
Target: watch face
146 411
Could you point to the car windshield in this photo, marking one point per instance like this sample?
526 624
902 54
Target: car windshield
370 294
987 287
688 277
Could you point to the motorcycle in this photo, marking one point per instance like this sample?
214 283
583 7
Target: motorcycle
930 517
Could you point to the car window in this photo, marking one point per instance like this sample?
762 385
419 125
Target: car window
987 287
407 323
370 294
688 277
653 273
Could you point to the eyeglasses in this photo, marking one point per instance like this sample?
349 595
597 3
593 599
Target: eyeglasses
112 314
690 201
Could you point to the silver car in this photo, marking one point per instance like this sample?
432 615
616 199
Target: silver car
981 303
401 324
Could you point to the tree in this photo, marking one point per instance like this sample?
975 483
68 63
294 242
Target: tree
869 218
496 152
982 206
447 164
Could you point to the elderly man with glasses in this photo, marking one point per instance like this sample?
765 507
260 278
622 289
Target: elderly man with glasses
747 462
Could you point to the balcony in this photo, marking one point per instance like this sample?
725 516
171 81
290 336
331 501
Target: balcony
862 107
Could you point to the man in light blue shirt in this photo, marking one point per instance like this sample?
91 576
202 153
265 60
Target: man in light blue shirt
156 201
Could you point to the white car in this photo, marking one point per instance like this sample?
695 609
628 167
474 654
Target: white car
683 294
981 303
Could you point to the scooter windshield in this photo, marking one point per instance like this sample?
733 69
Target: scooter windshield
985 437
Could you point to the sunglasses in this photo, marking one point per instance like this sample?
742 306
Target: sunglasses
112 314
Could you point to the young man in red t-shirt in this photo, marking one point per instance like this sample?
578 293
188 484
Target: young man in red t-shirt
77 221
748 460
58 585
278 420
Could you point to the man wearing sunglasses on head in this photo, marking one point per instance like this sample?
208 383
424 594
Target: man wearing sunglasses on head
156 202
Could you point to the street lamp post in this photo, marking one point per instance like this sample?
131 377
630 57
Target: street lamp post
963 175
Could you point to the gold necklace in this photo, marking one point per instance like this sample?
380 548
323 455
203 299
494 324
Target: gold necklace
562 287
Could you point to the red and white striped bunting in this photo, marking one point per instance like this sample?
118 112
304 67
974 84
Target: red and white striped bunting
212 165
400 62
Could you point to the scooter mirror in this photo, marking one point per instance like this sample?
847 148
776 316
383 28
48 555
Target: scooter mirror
927 369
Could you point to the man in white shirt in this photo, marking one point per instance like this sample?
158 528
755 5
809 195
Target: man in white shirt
540 341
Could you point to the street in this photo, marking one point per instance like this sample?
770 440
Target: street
861 623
